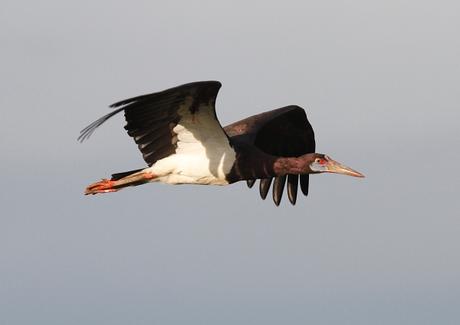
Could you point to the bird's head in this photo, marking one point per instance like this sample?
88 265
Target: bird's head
320 163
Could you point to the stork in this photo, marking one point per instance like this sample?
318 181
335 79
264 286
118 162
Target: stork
183 142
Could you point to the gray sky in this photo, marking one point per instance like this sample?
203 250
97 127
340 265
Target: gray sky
381 85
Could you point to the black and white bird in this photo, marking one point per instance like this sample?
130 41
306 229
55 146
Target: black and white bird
182 142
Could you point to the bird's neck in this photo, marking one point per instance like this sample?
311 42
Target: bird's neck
289 165
255 164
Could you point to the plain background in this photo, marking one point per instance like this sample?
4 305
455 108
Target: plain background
380 81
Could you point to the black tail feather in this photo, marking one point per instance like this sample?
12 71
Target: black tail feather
117 176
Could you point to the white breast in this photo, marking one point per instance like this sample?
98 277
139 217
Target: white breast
203 154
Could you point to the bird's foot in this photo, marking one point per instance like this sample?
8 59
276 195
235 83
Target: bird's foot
103 186
111 185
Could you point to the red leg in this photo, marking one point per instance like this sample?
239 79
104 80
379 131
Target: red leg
103 186
107 185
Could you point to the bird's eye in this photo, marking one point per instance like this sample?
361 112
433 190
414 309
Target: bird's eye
321 161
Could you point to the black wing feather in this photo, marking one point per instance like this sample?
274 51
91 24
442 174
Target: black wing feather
304 181
278 187
292 185
250 182
264 187
284 132
151 118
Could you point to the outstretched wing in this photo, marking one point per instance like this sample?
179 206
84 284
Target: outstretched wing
180 119
283 132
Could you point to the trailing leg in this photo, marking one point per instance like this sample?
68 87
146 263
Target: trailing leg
115 184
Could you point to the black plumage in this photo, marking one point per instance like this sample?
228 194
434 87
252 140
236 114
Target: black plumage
283 132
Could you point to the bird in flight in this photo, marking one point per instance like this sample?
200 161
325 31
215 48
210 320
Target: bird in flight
183 142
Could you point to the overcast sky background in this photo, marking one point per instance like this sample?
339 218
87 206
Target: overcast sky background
381 85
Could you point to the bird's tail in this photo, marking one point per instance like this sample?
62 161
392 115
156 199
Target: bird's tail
118 176
119 181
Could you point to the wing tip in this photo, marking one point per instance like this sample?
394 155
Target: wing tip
131 100
290 182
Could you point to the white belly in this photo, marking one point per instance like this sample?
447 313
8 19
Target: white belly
203 154
189 169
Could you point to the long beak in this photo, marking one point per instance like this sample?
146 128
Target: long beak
337 168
